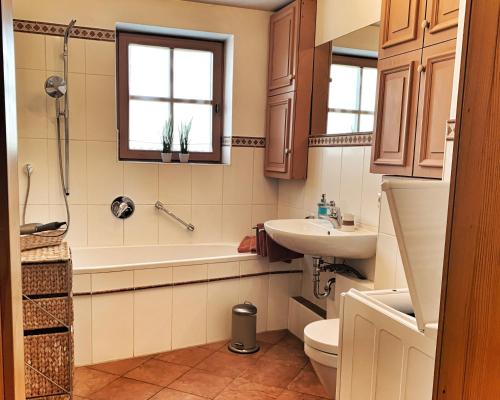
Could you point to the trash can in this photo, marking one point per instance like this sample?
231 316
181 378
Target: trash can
244 330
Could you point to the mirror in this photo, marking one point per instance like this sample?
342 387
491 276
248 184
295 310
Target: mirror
345 83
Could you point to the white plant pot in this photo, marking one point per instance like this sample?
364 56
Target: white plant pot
184 158
166 157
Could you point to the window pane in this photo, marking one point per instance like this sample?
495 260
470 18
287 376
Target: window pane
193 71
344 87
200 138
341 123
368 90
149 71
366 123
146 120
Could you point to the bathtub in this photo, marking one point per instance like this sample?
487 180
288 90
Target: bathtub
137 300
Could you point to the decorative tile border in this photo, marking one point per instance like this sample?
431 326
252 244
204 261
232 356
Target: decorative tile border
311 306
49 28
244 141
360 139
164 285
450 129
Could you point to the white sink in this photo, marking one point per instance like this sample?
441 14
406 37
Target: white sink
316 237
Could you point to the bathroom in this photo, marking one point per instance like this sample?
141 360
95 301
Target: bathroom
208 166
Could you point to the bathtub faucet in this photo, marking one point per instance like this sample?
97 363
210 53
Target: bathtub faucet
160 206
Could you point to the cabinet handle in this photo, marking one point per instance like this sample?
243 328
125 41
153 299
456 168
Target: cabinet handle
288 151
421 68
425 24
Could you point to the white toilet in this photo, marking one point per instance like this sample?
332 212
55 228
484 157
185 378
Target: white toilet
321 341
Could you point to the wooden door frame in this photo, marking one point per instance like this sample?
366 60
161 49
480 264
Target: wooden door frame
11 337
468 347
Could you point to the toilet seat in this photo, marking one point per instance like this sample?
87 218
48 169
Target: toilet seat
323 336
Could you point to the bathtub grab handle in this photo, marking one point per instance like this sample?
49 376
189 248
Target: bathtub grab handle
160 206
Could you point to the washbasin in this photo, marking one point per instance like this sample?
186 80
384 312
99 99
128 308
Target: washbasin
317 237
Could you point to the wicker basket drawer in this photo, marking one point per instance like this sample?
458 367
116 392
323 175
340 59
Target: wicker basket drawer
47 313
50 278
48 356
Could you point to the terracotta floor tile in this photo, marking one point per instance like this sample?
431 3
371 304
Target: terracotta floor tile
271 337
120 367
201 383
272 372
244 385
126 389
157 372
307 382
215 346
88 381
170 394
289 395
189 357
235 395
226 364
288 354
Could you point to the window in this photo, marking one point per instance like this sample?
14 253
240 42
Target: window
351 98
161 77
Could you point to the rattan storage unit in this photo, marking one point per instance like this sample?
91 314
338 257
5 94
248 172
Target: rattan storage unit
48 322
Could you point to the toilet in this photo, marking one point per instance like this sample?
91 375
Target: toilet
321 344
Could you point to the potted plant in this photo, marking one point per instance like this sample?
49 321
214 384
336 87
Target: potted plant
184 131
167 140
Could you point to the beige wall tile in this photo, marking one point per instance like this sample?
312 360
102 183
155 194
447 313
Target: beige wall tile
175 183
82 307
142 227
236 222
277 314
351 182
112 281
104 229
104 173
82 283
100 57
386 226
256 290
101 110
221 297
31 103
386 262
35 213
207 184
77 234
54 54
331 171
152 276
370 207
261 214
291 193
172 232
220 270
254 266
34 152
313 188
400 272
208 223
237 183
30 50
265 190
141 182
187 273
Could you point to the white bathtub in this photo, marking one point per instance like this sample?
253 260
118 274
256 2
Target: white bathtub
134 301
107 259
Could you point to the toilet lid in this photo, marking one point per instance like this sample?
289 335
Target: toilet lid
323 335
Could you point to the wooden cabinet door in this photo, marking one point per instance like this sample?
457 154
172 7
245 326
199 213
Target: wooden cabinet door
395 116
283 34
279 123
441 21
436 83
401 28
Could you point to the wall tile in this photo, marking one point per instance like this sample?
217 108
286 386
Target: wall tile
386 226
104 173
35 213
255 266
30 51
112 281
313 185
331 172
152 321
172 232
82 283
175 183
291 193
141 182
400 272
386 262
152 276
112 327
82 308
221 270
207 184
221 297
34 152
255 290
208 223
237 187
189 315
188 273
263 213
31 103
277 316
54 54
265 190
370 194
100 57
142 227
104 229
236 222
351 182
77 234
101 111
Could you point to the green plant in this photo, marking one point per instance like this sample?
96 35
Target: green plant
168 135
184 130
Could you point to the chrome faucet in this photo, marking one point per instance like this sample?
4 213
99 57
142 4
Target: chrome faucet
335 215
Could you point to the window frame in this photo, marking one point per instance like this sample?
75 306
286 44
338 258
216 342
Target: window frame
123 40
361 62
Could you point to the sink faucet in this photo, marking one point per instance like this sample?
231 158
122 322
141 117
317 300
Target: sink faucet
335 215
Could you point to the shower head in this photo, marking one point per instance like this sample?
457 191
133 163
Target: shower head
67 33
55 86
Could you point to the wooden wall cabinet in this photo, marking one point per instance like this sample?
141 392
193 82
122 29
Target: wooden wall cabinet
415 79
290 82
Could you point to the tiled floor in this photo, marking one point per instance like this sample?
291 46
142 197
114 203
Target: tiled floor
280 370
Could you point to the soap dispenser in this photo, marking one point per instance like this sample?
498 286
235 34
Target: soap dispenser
322 207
